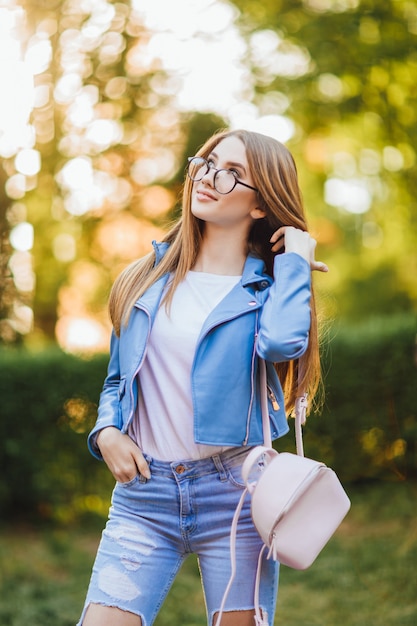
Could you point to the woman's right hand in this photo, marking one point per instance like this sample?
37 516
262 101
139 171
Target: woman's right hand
121 455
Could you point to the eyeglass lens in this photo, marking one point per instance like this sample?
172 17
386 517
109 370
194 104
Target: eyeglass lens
224 180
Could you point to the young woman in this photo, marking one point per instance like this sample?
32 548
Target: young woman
180 407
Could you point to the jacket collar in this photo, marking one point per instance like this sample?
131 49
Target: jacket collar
254 273
159 248
151 298
253 270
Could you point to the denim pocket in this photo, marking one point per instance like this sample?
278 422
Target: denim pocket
234 475
129 483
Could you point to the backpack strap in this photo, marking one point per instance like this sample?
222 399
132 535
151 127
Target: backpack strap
260 618
300 412
233 532
300 418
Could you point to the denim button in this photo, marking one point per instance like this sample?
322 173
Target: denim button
180 469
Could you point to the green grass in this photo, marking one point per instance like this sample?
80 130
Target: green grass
366 575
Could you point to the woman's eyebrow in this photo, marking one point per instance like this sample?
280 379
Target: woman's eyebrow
231 163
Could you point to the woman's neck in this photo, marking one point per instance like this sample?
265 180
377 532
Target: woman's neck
221 255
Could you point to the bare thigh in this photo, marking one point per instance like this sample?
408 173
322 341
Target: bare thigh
98 615
236 618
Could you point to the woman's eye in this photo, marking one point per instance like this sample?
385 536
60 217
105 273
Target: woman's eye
235 173
210 162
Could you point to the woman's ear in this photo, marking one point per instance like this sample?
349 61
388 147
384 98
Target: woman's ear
257 213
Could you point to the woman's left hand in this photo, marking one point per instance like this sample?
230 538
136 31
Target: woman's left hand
298 241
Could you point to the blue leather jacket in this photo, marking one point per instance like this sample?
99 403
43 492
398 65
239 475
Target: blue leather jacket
259 317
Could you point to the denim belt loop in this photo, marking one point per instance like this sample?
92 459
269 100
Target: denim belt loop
220 467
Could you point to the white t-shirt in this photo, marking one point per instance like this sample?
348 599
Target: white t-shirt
165 429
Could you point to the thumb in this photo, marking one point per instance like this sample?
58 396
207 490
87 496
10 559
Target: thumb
319 266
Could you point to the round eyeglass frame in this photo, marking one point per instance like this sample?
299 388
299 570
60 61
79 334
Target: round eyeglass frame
216 172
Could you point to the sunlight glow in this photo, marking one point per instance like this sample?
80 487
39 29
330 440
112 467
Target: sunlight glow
64 247
21 266
159 166
15 186
352 195
330 87
38 54
16 104
277 126
211 68
198 44
28 162
87 189
125 237
273 55
67 88
337 6
81 334
393 159
207 56
21 237
16 79
22 321
104 133
186 17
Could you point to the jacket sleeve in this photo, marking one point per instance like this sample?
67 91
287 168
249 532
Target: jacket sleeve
108 410
286 316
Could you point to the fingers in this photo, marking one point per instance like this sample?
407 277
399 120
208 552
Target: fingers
278 238
141 464
278 245
316 265
121 455
299 241
278 233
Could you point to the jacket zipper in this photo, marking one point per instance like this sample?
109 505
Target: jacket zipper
273 398
129 421
245 441
252 395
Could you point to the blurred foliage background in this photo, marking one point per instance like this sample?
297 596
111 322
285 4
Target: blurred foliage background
101 104
367 431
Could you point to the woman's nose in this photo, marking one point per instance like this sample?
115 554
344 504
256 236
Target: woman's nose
209 176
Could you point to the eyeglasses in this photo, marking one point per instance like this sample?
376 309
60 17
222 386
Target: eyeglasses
224 181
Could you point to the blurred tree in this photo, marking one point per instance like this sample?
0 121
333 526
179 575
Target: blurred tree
345 72
8 291
108 144
109 102
96 167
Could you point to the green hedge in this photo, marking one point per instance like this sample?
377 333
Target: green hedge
367 429
368 426
48 405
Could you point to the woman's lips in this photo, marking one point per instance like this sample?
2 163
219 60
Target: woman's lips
202 194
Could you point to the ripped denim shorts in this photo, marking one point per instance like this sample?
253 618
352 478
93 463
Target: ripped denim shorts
186 507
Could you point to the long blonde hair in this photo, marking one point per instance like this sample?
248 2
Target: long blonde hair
274 174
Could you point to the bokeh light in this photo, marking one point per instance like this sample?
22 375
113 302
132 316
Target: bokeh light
21 237
81 334
94 95
353 195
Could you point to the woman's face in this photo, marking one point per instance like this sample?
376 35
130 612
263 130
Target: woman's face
236 209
